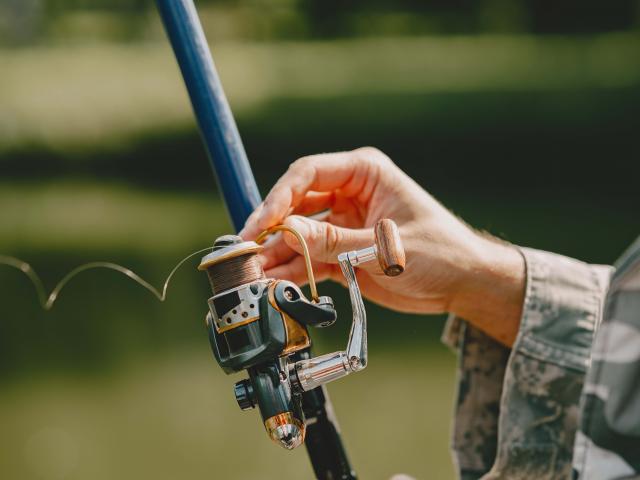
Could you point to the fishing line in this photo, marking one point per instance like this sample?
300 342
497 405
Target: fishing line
47 301
236 271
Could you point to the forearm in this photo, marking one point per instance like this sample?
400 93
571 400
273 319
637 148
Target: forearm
492 293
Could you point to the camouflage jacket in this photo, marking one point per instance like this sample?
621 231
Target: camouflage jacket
564 402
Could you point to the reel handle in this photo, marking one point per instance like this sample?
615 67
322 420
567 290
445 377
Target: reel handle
389 249
311 373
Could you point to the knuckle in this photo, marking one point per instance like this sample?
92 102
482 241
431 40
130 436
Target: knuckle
332 238
300 164
371 153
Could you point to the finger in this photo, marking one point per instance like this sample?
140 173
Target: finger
346 213
331 207
322 173
250 230
387 295
314 202
325 240
277 251
296 272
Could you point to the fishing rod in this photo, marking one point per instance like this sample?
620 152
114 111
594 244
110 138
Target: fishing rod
258 324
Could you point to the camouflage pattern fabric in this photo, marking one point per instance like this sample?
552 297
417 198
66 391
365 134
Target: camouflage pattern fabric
481 368
608 443
517 410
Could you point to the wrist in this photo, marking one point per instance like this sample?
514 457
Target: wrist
491 293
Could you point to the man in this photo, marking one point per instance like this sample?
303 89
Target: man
540 394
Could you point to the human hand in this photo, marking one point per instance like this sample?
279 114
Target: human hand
450 267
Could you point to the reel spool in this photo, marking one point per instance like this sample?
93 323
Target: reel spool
260 325
232 263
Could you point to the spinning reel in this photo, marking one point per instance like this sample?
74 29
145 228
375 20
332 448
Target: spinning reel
260 325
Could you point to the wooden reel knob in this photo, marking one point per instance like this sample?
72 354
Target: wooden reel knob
390 250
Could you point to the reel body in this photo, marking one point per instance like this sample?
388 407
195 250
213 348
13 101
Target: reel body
261 325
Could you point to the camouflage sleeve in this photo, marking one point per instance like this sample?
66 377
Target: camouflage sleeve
516 412
481 366
608 442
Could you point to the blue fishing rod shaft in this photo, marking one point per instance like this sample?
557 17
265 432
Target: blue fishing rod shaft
237 184
217 125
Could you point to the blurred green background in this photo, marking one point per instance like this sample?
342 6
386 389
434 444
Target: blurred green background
520 115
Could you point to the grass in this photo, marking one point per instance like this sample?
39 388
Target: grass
112 384
175 417
86 217
79 95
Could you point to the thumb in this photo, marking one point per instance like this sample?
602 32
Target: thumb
325 240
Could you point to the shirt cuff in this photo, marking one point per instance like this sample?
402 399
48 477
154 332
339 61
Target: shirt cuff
562 308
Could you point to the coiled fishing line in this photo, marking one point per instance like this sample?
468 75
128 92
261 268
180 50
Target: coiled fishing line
47 301
234 272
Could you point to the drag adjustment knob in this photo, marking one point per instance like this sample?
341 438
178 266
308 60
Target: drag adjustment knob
389 245
244 394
